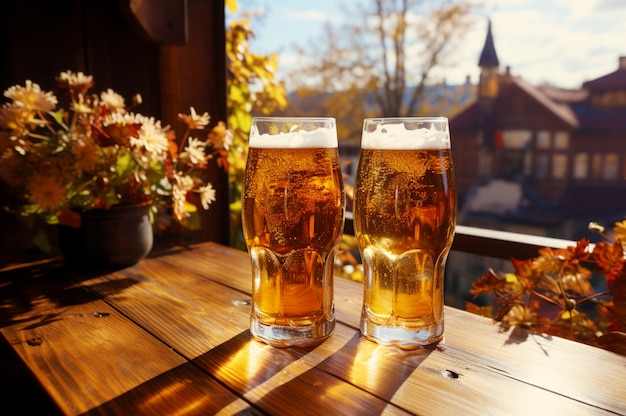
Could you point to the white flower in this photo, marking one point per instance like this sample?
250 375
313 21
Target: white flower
193 120
75 78
31 97
183 183
152 137
194 151
112 101
123 119
207 195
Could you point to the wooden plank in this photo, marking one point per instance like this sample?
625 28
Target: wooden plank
563 366
176 337
464 357
208 324
231 268
483 341
89 356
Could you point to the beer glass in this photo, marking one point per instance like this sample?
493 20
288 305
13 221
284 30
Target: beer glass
404 221
293 216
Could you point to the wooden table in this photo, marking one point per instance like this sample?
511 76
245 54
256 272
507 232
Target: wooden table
170 336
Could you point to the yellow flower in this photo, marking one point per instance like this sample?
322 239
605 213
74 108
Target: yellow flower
45 192
31 97
193 120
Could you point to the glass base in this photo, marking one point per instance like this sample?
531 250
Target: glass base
402 337
292 336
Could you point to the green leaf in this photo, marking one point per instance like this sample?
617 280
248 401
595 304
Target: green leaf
125 164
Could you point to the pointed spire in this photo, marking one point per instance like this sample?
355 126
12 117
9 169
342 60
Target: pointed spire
489 57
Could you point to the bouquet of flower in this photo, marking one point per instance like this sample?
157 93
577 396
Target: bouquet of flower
100 153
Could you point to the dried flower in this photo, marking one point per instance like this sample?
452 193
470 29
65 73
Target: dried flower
193 120
97 153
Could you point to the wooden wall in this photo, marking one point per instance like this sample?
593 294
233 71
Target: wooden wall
169 51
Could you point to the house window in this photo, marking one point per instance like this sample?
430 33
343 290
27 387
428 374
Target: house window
610 169
543 139
559 165
581 165
561 140
596 165
541 165
516 139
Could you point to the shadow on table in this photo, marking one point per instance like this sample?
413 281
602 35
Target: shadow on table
38 295
246 377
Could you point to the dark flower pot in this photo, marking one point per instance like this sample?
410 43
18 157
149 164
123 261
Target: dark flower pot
119 236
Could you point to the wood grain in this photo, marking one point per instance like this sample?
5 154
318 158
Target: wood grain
170 335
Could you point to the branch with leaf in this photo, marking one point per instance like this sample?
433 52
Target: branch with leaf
553 293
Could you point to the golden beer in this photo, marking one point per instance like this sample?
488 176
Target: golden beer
404 220
292 214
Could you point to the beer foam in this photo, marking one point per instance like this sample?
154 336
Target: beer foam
396 135
319 138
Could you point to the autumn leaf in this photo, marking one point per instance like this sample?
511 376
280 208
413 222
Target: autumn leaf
520 316
608 256
486 311
525 270
577 282
488 283
574 254
547 293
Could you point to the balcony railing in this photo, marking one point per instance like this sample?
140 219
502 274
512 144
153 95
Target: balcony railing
493 243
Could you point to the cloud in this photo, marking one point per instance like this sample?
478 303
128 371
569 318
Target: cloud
308 15
562 42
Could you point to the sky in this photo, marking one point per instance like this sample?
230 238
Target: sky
560 42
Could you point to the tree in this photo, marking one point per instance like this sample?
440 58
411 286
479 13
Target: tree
379 62
252 88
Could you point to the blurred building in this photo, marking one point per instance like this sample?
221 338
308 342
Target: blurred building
541 160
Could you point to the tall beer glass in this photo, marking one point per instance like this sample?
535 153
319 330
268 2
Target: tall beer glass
293 216
404 221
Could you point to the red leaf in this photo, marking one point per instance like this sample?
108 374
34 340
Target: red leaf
487 283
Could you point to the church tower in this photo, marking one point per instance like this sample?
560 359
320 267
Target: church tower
488 89
488 63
